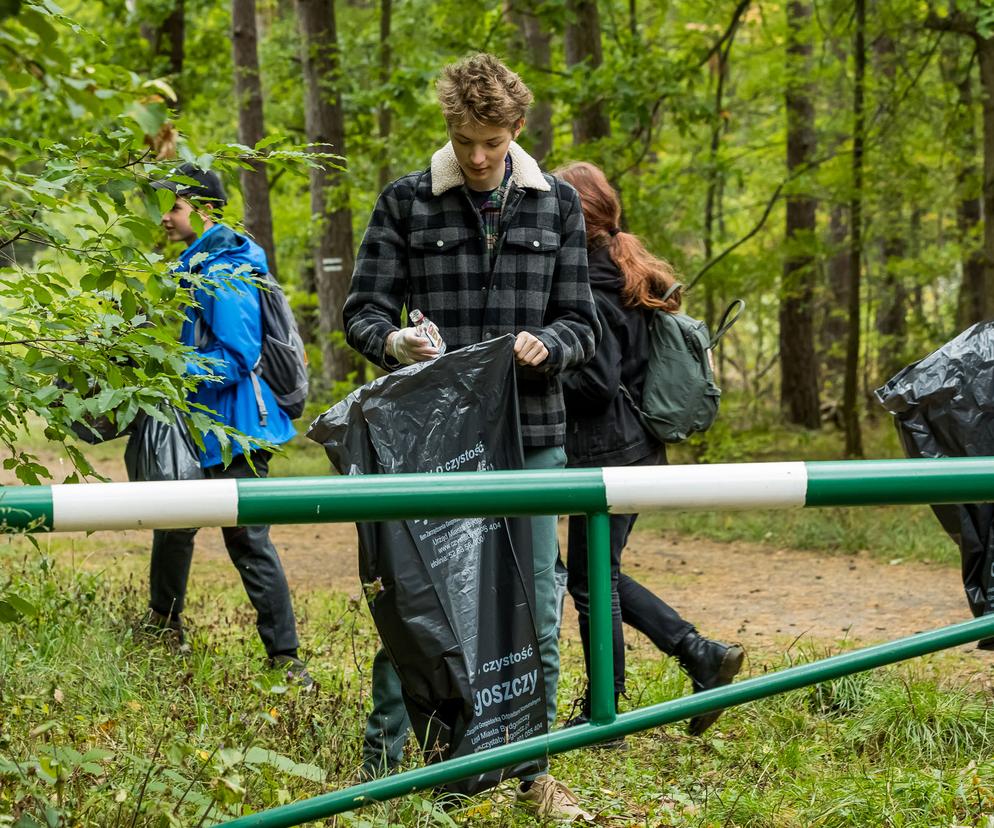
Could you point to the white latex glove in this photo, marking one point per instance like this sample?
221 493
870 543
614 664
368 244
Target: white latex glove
407 346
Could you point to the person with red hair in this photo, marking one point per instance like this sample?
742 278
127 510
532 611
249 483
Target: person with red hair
603 428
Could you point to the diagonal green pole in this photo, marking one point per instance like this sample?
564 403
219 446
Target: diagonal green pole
602 709
572 738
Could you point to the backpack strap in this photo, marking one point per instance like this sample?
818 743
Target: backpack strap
671 290
263 411
727 320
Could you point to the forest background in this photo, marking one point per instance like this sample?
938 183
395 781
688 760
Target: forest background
831 163
825 162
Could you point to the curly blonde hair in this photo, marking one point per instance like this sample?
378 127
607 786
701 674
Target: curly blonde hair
480 89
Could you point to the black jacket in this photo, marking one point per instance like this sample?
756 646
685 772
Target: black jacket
602 426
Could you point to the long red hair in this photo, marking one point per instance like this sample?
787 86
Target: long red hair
646 277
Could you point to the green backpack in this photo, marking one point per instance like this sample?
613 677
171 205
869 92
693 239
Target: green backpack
680 397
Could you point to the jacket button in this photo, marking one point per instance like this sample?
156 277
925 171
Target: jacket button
535 243
441 243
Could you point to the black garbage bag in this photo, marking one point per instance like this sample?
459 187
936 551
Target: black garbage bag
160 450
453 600
943 406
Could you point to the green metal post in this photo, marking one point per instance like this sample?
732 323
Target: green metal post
602 709
572 738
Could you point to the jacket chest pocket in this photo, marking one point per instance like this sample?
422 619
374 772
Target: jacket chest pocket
530 254
438 254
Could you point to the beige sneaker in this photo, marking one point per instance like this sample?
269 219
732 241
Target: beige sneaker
551 799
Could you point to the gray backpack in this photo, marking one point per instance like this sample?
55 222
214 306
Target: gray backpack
283 359
680 396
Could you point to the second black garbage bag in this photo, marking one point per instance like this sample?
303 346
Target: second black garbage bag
944 407
452 599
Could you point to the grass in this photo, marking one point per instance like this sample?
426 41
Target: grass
99 726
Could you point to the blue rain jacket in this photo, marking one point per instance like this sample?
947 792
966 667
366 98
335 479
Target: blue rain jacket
231 314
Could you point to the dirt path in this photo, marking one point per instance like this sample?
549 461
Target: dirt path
762 597
765 598
737 591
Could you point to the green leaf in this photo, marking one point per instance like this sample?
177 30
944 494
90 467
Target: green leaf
259 756
129 305
36 22
43 396
165 199
22 605
8 614
150 117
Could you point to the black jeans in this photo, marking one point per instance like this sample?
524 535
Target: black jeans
252 553
631 603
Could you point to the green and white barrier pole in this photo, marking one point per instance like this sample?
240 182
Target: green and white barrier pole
330 499
656 715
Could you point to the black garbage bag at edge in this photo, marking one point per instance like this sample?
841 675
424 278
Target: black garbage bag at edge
943 406
161 450
453 600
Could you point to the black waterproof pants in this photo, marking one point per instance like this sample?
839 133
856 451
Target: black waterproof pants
252 553
631 603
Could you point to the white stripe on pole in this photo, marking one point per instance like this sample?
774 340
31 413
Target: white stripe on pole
171 504
721 486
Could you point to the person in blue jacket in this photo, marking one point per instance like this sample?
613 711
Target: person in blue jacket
223 323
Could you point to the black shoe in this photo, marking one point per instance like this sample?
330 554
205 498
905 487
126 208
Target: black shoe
709 664
295 671
164 629
985 644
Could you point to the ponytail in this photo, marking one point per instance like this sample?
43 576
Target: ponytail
646 277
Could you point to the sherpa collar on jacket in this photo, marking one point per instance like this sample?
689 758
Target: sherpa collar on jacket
446 174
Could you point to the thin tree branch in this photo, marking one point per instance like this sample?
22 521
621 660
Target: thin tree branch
20 234
957 22
728 34
759 226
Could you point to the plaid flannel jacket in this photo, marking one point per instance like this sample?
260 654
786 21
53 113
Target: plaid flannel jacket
424 248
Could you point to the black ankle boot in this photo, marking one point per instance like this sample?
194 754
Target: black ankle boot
709 664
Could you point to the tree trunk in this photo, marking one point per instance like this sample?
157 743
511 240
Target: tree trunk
972 300
712 202
583 46
892 308
535 44
174 28
168 39
251 128
850 401
985 51
798 362
834 328
385 115
330 213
